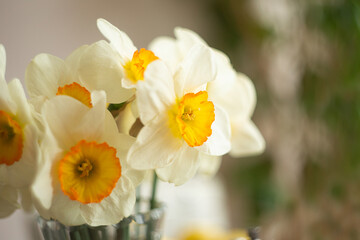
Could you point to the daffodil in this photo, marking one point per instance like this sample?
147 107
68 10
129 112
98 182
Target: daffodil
85 178
130 61
86 69
19 141
213 233
233 91
246 139
180 121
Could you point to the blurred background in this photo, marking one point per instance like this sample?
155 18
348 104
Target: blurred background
304 59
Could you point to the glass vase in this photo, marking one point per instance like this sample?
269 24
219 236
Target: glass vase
142 225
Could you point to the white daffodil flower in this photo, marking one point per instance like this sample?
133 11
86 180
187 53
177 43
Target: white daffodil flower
88 68
86 178
19 141
246 139
180 122
234 92
130 61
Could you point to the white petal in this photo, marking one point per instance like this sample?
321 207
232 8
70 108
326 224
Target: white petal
18 95
72 63
136 176
249 93
219 141
74 57
42 188
65 210
100 69
63 114
22 172
98 99
184 167
37 103
246 139
111 132
225 89
134 108
155 146
221 58
225 84
127 83
156 93
71 121
6 103
8 201
26 199
209 165
197 69
167 50
187 39
43 75
234 92
118 39
122 143
2 61
112 209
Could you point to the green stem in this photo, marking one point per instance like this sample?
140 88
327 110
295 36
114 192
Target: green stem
84 232
137 210
152 206
115 106
98 233
153 193
126 232
80 233
123 231
75 235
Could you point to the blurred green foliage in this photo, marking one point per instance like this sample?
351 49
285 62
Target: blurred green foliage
255 181
340 23
339 103
329 93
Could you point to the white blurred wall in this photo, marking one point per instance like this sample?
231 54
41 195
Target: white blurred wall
30 27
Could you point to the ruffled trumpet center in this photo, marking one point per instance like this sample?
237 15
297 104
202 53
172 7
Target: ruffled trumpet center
89 171
11 139
191 118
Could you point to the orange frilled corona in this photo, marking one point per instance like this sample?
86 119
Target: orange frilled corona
191 118
76 91
11 139
135 68
89 172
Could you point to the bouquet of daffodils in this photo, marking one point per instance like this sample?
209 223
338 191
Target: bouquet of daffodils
97 122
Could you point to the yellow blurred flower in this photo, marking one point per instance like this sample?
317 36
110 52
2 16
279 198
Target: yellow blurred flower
211 233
